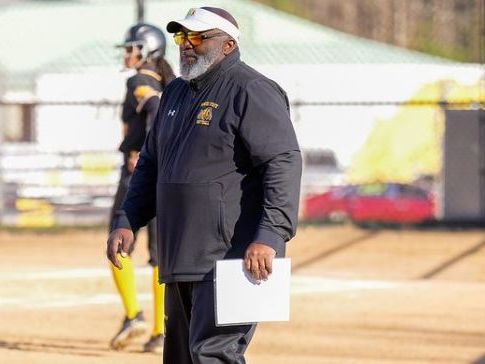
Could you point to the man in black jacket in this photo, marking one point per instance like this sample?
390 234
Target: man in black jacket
221 170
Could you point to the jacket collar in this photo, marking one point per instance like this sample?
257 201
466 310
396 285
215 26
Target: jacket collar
214 72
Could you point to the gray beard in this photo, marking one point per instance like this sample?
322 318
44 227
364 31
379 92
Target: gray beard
189 72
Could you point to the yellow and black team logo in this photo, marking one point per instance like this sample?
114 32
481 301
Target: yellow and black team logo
205 114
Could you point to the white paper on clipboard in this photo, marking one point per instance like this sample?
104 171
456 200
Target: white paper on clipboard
239 299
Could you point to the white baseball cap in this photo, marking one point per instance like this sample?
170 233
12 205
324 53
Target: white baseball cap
206 18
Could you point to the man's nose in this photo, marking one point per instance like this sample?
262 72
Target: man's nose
186 44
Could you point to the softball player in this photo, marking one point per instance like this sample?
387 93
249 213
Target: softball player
144 48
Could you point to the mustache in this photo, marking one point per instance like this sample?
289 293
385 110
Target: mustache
188 54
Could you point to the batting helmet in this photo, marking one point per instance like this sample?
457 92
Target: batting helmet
149 38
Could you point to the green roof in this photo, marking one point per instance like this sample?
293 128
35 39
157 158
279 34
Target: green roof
64 36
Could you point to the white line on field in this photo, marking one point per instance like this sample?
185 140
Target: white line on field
60 274
306 284
64 301
299 285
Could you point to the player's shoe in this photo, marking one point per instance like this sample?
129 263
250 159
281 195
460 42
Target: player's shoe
154 344
130 329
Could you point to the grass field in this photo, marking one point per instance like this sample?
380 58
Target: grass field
358 296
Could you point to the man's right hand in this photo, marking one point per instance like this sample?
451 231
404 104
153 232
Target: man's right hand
119 241
132 161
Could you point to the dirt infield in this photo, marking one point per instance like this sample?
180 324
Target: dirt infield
358 296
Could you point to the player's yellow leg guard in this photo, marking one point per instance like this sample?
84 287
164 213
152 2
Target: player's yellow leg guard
158 305
126 285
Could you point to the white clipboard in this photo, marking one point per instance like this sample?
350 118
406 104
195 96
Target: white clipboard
239 299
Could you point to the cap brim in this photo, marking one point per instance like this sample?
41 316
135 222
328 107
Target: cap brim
190 24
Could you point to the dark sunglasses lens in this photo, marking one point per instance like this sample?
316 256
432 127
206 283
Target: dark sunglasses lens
129 49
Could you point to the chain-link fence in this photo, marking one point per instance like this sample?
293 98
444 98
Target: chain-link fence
64 171
59 163
395 118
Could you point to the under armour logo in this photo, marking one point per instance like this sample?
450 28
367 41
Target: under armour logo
171 112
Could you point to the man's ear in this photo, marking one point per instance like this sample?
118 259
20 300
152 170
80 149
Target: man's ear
229 46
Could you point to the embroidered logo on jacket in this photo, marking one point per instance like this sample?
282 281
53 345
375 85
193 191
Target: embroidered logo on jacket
204 116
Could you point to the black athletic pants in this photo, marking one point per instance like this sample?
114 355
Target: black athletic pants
191 334
119 198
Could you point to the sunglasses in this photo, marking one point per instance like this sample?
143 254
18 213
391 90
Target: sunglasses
194 38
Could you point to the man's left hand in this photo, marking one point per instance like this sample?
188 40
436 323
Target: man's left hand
259 259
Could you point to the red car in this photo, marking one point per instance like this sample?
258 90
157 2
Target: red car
330 205
384 202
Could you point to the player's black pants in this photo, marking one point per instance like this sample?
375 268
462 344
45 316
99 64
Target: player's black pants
191 334
123 185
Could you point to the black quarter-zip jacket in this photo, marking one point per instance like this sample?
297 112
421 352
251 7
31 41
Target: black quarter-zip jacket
220 168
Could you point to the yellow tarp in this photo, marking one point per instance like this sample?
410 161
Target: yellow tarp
410 144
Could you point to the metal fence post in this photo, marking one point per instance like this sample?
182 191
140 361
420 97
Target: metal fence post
2 190
140 11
